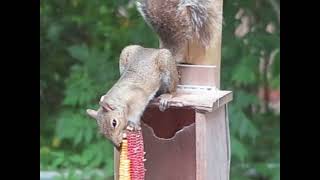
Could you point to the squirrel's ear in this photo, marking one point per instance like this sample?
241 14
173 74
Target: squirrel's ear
92 113
102 97
106 106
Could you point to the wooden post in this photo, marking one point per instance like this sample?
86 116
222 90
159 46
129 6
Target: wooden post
212 56
212 140
116 160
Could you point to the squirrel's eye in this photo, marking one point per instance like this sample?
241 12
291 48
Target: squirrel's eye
114 123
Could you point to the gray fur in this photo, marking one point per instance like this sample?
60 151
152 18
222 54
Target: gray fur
178 21
142 10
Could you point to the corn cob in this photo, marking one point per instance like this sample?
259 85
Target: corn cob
124 167
132 157
136 155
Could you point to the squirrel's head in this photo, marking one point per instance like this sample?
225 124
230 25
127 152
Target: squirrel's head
111 122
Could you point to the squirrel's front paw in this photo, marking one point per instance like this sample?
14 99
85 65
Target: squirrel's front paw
133 126
164 98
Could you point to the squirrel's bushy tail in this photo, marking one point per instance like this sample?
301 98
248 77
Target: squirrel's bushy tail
177 21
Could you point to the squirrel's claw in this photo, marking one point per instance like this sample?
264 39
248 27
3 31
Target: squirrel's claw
164 104
133 127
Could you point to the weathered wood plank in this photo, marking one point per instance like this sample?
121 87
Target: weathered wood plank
212 143
201 75
116 156
201 149
206 101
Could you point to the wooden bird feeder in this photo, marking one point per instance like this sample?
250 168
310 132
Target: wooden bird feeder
190 140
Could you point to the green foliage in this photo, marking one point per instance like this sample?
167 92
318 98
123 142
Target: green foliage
254 134
80 44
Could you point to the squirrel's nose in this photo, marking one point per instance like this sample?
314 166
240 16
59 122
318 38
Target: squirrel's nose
116 145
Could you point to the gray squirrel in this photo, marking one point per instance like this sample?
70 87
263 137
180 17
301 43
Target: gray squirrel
146 72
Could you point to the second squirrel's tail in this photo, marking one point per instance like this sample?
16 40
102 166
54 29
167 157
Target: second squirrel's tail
179 21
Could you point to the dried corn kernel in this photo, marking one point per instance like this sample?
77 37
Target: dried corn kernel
124 167
132 157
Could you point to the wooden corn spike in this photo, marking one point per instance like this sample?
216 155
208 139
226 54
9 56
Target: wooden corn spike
132 157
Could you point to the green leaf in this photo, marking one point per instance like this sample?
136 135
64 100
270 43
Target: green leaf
275 82
247 128
75 159
79 52
89 133
245 72
54 32
238 149
271 170
276 64
80 89
241 125
276 175
78 138
58 160
103 10
244 99
97 160
244 75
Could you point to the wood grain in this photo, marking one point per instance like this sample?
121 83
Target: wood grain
200 75
212 55
212 153
199 100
